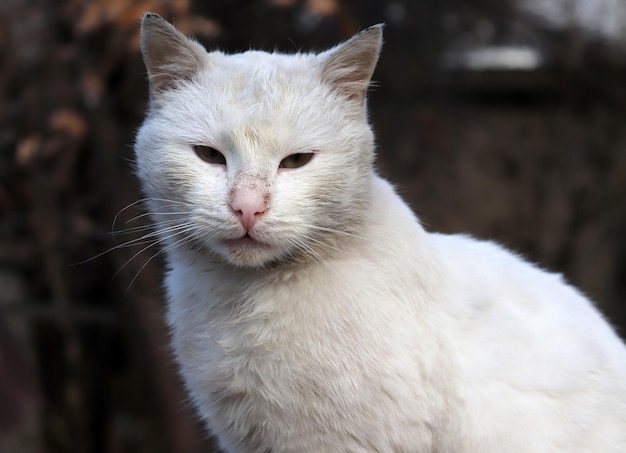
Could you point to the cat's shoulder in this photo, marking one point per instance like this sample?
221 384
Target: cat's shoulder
467 251
485 270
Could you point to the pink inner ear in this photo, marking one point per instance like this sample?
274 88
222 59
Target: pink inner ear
249 202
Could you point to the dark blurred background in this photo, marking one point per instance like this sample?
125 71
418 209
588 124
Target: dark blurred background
501 118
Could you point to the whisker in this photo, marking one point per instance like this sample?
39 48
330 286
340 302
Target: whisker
151 226
143 200
288 223
161 251
145 214
307 249
167 200
148 237
158 252
325 244
335 231
134 203
175 230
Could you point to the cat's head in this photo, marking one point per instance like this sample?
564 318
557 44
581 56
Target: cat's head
256 157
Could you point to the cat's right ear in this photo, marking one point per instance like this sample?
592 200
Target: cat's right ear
348 67
169 56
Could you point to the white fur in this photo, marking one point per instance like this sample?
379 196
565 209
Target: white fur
353 329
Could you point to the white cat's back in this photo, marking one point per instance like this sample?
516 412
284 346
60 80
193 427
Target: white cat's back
544 370
537 366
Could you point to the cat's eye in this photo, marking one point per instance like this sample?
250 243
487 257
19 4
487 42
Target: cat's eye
295 160
210 155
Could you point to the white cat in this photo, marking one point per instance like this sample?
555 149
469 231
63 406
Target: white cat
311 312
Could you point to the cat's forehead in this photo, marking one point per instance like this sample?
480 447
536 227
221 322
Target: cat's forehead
256 87
257 70
261 61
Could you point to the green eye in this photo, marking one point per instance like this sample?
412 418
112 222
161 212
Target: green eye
210 155
296 160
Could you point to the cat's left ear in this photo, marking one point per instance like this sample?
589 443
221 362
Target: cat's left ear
349 66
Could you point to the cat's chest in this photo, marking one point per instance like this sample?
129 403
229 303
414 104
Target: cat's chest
279 336
296 336
313 356
262 356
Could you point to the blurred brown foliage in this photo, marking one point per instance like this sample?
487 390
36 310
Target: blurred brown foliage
535 160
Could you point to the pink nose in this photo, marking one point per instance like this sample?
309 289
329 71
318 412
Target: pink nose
248 205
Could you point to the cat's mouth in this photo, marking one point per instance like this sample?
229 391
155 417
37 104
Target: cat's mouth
246 241
248 251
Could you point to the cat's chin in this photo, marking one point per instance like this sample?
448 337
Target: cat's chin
248 252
